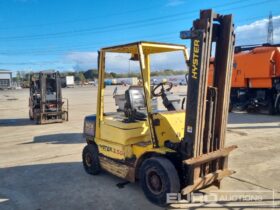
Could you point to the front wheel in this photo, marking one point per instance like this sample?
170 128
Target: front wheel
91 159
159 177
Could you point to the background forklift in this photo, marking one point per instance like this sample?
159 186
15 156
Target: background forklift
45 102
176 150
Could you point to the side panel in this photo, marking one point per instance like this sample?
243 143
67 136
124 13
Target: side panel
116 137
260 83
255 65
123 136
114 150
169 126
238 79
277 62
238 72
141 149
253 69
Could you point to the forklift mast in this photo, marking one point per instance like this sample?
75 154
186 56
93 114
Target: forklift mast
203 148
43 91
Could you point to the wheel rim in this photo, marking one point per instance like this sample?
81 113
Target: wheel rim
154 182
88 160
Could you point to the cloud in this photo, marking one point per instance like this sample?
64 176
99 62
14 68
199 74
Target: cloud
119 62
171 60
256 32
173 3
114 62
82 60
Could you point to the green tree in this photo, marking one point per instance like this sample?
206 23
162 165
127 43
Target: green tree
82 77
18 77
113 74
91 74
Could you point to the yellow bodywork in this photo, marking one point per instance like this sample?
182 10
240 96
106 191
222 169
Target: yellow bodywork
120 140
171 126
117 137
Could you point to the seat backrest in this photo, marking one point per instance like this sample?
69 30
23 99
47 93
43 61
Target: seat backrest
135 107
50 97
136 98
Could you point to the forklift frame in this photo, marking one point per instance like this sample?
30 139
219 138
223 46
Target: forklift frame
144 49
38 103
187 146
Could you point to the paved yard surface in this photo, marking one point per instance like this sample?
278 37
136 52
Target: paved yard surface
40 165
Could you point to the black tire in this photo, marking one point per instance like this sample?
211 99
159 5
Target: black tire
230 107
278 106
251 110
271 108
91 160
158 176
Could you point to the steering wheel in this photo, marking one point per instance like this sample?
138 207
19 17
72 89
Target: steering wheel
162 90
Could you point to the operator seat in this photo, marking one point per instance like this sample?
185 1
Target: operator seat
135 107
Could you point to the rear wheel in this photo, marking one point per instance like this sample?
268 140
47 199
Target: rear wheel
158 177
91 160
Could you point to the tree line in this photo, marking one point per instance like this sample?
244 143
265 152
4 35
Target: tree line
92 74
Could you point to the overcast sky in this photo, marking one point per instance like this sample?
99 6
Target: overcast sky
66 34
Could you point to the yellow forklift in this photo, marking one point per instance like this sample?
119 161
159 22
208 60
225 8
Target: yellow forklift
178 150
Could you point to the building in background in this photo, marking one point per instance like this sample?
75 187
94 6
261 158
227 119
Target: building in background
5 79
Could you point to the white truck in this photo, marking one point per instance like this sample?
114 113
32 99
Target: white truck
175 79
69 81
127 81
